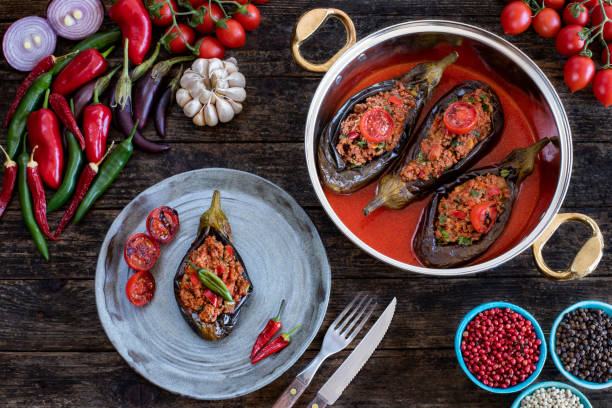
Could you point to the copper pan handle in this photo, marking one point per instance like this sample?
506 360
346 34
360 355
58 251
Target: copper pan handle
308 24
586 259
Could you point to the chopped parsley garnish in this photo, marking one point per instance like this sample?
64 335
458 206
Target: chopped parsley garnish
476 133
482 191
471 99
483 96
456 143
420 158
458 201
444 234
455 100
504 173
381 146
485 107
352 166
474 193
410 87
387 109
442 219
465 241
361 143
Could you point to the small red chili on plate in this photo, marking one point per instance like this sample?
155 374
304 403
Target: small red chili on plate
268 332
275 346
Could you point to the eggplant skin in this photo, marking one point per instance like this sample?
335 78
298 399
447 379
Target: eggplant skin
225 322
432 253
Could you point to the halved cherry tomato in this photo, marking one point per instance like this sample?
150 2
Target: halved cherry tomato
141 252
162 224
208 22
376 125
209 47
251 20
177 45
547 23
483 216
140 288
515 17
578 72
232 35
597 18
602 86
460 117
583 15
165 16
395 100
568 41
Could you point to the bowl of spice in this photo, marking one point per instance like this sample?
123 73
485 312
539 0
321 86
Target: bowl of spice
500 347
551 394
581 344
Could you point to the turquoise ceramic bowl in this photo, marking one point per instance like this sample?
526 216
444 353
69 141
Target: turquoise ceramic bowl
526 315
548 384
587 304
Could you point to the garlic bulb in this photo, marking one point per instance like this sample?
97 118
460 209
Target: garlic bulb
212 91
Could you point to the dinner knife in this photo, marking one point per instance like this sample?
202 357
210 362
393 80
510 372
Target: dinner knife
333 388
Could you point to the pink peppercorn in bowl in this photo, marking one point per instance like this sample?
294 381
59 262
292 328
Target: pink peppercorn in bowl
501 319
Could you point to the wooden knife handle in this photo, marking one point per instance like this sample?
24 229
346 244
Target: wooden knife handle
290 396
318 402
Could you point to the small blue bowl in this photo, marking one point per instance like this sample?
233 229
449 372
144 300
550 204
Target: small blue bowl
587 304
526 315
549 384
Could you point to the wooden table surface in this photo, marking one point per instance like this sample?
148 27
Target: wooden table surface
54 352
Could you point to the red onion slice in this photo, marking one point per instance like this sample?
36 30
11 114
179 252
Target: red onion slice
27 41
75 19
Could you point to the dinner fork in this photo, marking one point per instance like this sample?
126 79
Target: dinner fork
339 335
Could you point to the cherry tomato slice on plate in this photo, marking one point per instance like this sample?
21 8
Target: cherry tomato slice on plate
460 117
162 224
483 216
140 288
141 252
376 125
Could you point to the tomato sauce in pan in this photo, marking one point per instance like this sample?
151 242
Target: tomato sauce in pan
391 232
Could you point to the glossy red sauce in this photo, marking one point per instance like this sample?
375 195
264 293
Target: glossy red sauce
391 232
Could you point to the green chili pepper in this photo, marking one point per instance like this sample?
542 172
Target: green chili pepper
76 160
26 204
97 41
213 282
107 174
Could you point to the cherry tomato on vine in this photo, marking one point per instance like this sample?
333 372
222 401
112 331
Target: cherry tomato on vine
583 15
232 35
209 47
604 54
460 117
597 19
165 16
251 20
556 4
196 3
578 72
140 288
141 252
590 4
568 42
177 45
376 125
515 17
547 23
483 216
208 22
602 86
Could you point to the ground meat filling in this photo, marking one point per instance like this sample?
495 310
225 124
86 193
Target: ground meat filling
220 259
453 224
441 149
353 147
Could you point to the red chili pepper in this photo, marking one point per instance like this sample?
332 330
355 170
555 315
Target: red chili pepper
212 298
220 270
8 183
60 106
395 100
275 346
459 214
229 250
44 132
83 184
86 66
96 123
38 195
133 19
268 332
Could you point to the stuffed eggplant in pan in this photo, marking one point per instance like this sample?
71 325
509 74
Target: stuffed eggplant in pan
467 215
462 126
373 127
212 284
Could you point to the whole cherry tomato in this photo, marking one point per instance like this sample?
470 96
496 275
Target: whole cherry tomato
210 47
208 23
177 45
582 18
568 42
604 54
515 17
140 288
251 20
232 35
597 19
556 4
578 72
547 23
165 16
602 86
483 216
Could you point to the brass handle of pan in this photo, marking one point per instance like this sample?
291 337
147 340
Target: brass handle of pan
308 24
586 259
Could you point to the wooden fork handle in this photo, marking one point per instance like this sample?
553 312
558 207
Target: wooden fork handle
290 396
318 402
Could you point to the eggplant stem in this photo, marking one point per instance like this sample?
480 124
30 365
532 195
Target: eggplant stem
373 205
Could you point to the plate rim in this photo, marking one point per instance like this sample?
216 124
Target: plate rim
99 288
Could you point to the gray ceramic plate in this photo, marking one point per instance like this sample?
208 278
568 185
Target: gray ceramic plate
283 254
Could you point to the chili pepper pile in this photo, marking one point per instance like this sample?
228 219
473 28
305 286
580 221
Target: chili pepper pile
260 349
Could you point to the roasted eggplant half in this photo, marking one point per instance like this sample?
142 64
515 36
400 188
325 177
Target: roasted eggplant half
373 127
466 216
208 313
459 130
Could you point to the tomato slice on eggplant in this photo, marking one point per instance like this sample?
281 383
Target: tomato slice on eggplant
460 117
338 175
395 193
162 224
483 216
141 252
514 168
376 125
140 288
